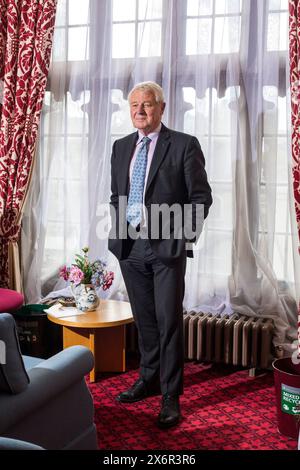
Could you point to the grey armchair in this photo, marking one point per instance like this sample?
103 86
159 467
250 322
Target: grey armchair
7 443
55 410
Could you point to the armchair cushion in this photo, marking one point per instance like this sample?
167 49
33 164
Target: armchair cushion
30 362
13 376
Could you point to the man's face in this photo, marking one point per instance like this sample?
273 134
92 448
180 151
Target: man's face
145 112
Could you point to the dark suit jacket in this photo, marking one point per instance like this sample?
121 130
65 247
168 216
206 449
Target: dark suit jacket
177 175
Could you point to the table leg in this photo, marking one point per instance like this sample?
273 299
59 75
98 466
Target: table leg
107 345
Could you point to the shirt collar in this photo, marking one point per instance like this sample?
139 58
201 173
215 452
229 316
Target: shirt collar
151 136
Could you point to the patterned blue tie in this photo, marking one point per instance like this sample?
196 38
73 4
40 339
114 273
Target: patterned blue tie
135 198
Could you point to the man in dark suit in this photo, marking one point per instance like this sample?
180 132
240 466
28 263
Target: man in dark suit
154 170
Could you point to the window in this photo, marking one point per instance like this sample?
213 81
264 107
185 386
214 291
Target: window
274 177
71 30
64 135
213 26
210 118
277 35
62 147
204 33
274 184
137 28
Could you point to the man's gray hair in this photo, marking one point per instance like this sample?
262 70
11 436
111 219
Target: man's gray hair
150 87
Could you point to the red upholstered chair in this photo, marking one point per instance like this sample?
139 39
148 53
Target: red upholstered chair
10 300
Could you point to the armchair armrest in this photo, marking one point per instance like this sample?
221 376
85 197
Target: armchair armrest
68 366
15 444
48 379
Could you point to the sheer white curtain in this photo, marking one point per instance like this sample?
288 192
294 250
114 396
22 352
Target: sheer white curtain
222 65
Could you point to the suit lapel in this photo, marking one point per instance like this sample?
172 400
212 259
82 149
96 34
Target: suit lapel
161 148
126 159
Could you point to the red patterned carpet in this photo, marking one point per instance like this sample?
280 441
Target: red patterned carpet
223 409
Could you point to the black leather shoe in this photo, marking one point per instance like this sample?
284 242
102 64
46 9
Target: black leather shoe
139 391
170 411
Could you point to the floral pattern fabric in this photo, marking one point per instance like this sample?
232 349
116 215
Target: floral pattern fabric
294 41
26 31
294 35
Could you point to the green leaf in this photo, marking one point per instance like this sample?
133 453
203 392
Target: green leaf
79 257
79 264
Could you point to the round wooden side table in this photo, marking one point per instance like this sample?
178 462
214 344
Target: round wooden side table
102 331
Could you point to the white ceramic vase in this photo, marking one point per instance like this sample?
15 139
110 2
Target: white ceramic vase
85 296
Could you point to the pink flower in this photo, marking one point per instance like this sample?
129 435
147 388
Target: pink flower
108 280
76 275
64 273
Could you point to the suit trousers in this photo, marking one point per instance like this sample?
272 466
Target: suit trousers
156 294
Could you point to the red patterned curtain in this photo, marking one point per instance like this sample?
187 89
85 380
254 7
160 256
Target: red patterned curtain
295 95
2 48
26 31
294 32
